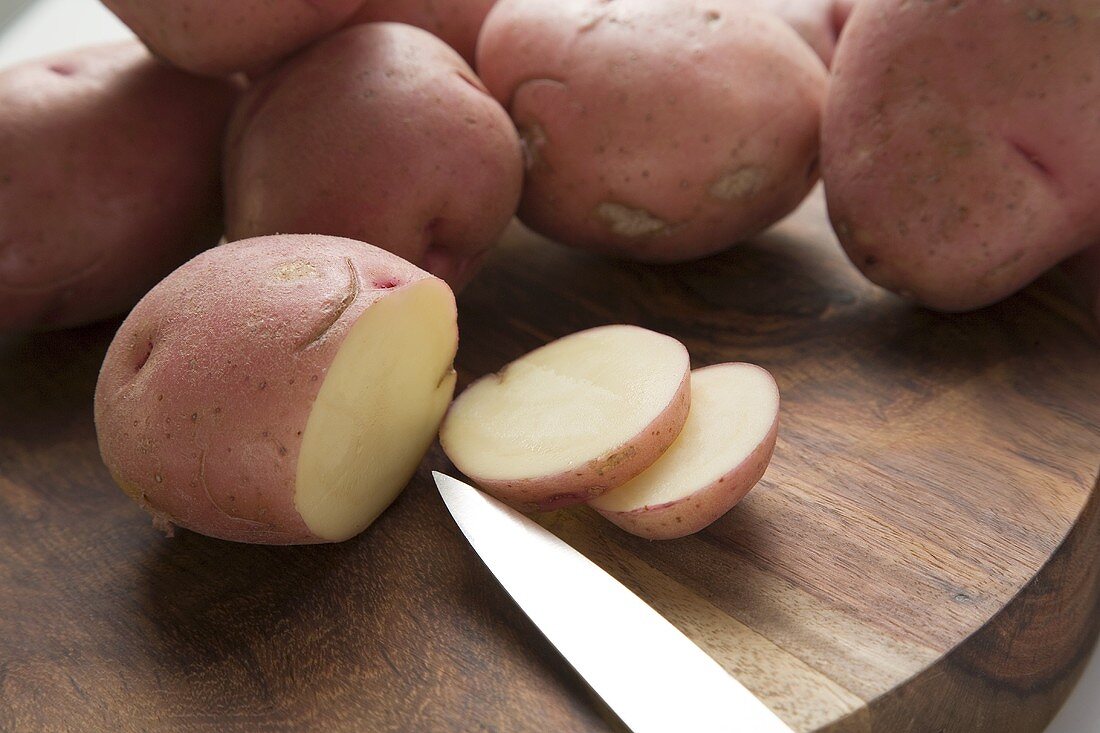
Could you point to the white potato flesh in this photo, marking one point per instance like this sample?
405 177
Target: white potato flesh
565 407
721 452
377 411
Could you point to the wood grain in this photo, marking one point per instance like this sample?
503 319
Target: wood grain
922 555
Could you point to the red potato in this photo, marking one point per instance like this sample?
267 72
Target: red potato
383 134
278 390
221 37
572 419
957 189
721 453
109 178
455 21
658 130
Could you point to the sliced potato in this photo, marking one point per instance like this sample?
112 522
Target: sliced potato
722 451
571 419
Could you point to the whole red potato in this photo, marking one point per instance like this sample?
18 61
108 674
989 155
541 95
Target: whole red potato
658 130
219 37
959 144
383 134
109 178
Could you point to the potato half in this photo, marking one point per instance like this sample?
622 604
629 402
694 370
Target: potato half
279 390
721 453
571 419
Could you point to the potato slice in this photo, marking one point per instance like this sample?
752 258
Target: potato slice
571 419
720 454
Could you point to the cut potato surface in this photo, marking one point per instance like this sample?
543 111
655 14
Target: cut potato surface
722 451
377 411
571 419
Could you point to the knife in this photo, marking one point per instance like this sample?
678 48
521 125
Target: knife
653 677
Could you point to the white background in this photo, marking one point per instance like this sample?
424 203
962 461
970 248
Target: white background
51 25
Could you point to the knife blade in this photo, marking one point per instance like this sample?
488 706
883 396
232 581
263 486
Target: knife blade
653 677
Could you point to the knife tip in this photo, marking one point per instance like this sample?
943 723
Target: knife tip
444 483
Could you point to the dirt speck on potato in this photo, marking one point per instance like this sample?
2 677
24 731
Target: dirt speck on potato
742 183
613 460
295 270
628 221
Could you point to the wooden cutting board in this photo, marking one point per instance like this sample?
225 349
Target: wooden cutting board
922 555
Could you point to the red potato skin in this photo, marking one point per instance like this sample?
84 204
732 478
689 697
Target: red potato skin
657 130
693 513
603 474
207 386
456 22
221 37
379 133
109 178
957 189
